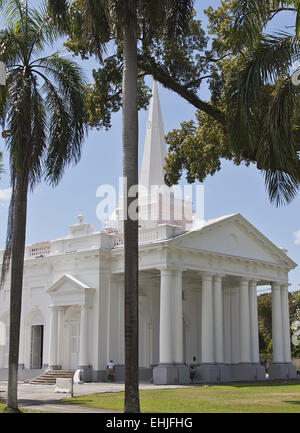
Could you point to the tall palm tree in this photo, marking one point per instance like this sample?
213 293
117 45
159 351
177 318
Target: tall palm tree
42 107
99 21
268 64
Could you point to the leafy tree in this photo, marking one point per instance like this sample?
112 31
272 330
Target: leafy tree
264 307
251 86
91 24
234 124
42 107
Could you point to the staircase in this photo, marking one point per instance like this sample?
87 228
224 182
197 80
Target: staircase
50 376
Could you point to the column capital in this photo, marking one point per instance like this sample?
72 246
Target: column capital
244 280
219 275
54 307
285 287
253 281
275 285
170 269
206 275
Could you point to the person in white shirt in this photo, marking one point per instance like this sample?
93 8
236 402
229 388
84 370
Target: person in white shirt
110 369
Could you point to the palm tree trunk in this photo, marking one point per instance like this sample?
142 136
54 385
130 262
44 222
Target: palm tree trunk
130 173
17 264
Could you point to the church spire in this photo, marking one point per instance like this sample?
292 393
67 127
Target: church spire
155 150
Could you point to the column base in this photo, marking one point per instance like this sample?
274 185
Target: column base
54 367
208 373
85 373
282 371
224 372
171 374
248 372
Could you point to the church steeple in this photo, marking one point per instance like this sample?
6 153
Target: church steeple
155 150
157 202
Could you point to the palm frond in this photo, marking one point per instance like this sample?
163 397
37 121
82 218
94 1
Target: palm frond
271 58
281 187
42 104
252 16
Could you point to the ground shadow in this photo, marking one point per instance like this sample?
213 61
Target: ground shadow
27 402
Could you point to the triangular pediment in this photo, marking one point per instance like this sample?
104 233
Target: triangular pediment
67 284
233 235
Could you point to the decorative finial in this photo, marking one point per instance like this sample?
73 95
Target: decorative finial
80 219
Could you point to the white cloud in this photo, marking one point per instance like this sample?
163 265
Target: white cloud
5 194
297 237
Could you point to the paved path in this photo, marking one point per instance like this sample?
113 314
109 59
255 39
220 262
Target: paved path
44 397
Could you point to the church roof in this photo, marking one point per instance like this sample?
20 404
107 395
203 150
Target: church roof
247 227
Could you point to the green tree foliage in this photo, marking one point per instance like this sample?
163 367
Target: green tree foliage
180 63
264 307
251 85
252 115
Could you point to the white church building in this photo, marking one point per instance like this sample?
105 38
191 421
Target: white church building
197 293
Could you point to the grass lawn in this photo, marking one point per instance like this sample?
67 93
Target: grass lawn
281 397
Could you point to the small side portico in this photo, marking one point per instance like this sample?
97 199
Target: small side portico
69 345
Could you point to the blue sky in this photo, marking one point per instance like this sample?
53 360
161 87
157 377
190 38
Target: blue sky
233 189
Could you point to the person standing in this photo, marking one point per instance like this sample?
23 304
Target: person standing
110 368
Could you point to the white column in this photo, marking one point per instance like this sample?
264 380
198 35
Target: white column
178 317
53 339
171 323
207 325
254 321
227 325
60 337
235 325
165 330
218 319
286 323
277 324
83 349
245 340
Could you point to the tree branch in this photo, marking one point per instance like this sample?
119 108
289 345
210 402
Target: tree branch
151 68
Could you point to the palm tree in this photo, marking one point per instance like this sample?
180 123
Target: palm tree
267 65
98 21
42 107
253 15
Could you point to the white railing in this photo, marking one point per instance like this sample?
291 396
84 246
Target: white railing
40 249
151 234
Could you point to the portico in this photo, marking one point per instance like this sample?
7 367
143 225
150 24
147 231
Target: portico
227 348
69 325
201 302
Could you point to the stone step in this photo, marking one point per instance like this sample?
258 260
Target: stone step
49 377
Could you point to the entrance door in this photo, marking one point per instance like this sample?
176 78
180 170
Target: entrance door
74 344
37 332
